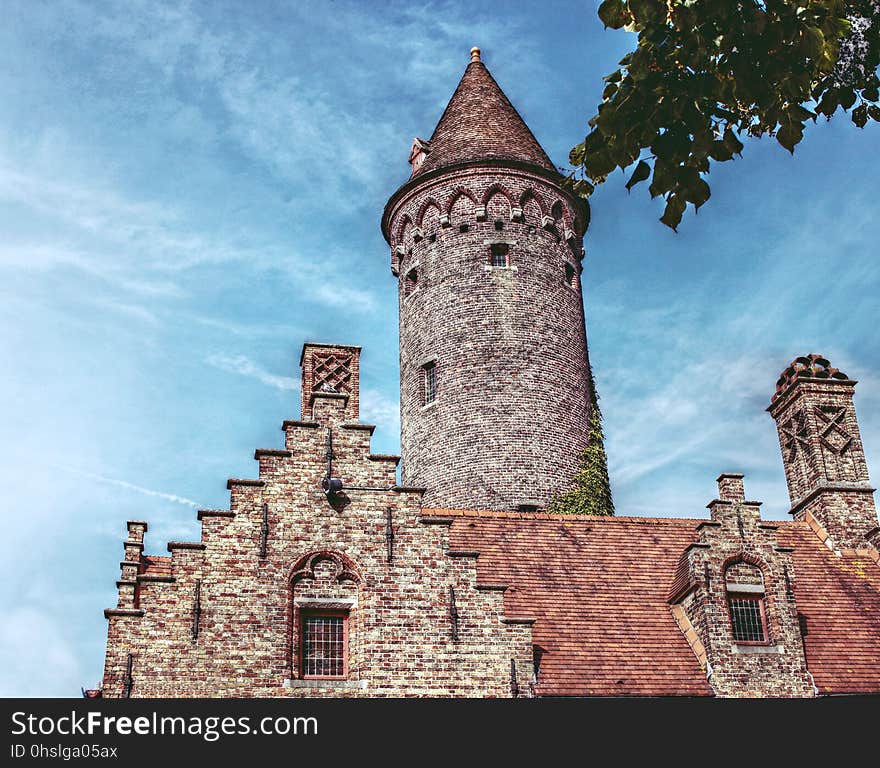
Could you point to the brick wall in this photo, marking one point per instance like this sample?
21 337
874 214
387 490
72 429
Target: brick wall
736 550
317 555
509 342
823 456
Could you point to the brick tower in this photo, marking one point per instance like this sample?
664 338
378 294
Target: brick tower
487 248
822 452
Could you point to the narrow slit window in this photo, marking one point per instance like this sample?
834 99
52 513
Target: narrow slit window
410 282
499 255
570 276
324 645
429 382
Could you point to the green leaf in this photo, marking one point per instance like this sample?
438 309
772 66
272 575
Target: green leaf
731 142
871 93
671 217
874 113
647 11
789 135
581 187
614 14
642 172
860 115
847 98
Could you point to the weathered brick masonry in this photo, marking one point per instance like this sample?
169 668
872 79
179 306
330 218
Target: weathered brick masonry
508 340
219 617
326 578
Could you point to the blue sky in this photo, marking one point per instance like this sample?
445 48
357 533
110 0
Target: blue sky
191 190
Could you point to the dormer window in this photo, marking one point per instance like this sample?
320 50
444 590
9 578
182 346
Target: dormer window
499 255
417 153
745 602
747 618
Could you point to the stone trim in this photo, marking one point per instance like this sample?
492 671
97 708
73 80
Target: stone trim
304 424
135 563
384 457
436 520
130 543
831 487
279 452
341 604
172 545
351 685
353 425
108 612
751 589
203 513
156 578
138 522
781 396
491 587
690 634
756 649
407 489
512 620
247 483
325 346
461 553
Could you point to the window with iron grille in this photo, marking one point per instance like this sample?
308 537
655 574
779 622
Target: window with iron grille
429 381
748 618
324 644
499 255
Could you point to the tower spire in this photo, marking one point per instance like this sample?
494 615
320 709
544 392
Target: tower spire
481 124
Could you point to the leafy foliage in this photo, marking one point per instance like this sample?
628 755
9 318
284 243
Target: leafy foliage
591 494
708 73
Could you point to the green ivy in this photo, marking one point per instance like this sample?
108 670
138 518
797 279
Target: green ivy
708 73
591 494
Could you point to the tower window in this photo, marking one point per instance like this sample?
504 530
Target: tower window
324 644
410 282
748 618
499 224
429 382
499 255
571 276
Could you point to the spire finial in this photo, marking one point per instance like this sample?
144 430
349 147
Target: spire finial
475 54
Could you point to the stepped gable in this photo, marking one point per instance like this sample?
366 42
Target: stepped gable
480 123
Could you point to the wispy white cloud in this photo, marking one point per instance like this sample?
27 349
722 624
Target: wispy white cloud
244 366
128 486
377 408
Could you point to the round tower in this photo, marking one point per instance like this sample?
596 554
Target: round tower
487 247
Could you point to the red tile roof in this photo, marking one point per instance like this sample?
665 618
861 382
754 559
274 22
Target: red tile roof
480 123
599 589
592 584
839 599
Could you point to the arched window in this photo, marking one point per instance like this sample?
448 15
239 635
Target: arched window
745 603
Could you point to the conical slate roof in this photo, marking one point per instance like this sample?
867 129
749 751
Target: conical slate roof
480 123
